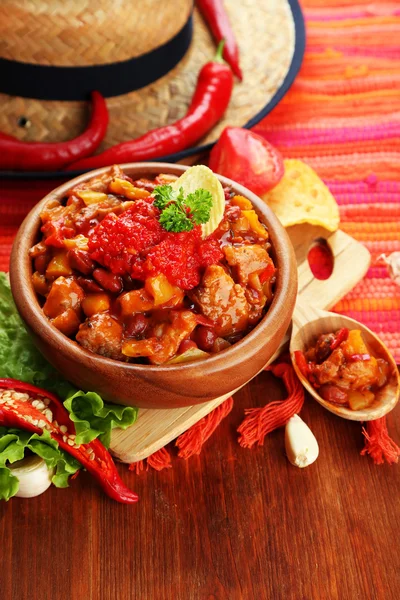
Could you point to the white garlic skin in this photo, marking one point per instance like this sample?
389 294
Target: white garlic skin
300 443
393 264
33 475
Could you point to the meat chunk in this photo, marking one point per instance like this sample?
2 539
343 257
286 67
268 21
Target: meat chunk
64 294
102 335
247 260
101 182
328 371
223 301
166 338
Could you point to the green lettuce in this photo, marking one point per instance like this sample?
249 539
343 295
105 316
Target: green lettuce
93 418
14 443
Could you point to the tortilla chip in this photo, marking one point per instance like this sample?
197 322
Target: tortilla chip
302 197
201 176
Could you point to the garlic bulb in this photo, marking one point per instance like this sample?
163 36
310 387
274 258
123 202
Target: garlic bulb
393 264
300 443
33 475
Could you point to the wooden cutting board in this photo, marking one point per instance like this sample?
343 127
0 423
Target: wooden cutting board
155 428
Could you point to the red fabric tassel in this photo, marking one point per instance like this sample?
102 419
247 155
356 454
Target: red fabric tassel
191 442
378 443
137 466
261 421
159 460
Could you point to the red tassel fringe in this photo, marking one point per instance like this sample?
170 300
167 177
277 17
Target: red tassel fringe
378 444
261 421
191 442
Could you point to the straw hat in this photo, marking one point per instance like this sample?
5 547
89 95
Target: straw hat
53 52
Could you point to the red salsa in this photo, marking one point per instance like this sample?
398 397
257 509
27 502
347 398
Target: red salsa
112 277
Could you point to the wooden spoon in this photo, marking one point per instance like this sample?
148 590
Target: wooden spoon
308 324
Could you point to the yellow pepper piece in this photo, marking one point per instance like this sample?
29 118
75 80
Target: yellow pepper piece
255 224
354 344
91 197
126 189
95 303
242 202
161 289
80 242
359 400
59 265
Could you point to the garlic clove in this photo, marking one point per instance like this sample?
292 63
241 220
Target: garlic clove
393 265
33 475
300 443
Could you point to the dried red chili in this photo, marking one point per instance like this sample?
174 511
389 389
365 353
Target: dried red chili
210 101
215 14
302 363
18 411
341 336
17 155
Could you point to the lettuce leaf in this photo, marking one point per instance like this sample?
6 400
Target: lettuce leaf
19 359
14 443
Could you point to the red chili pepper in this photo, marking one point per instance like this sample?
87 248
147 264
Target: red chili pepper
210 101
6 136
355 357
215 14
341 336
302 363
16 155
247 158
20 413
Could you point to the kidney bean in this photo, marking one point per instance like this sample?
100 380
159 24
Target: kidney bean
205 338
333 393
81 261
137 325
109 281
186 345
89 286
41 262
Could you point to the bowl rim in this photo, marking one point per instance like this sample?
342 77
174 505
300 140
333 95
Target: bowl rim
32 314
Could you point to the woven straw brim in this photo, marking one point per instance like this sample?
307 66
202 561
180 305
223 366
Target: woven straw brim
266 37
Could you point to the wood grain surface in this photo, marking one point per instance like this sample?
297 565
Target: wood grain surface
231 524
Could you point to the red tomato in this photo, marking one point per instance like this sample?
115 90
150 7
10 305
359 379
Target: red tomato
248 159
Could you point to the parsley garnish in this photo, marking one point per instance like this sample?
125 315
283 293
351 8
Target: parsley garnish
180 213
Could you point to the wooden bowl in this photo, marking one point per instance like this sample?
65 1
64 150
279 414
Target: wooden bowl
156 386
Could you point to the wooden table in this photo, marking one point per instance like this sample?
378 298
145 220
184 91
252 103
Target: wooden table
231 524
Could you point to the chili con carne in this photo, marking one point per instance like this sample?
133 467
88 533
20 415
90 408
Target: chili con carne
210 101
18 410
17 155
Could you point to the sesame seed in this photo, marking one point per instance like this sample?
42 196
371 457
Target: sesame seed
48 414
